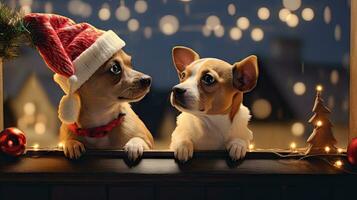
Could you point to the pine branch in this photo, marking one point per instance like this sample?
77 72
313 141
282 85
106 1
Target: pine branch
13 32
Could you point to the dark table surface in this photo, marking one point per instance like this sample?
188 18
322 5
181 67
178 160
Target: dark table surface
112 166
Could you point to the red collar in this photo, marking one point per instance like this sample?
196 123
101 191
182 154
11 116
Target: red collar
97 132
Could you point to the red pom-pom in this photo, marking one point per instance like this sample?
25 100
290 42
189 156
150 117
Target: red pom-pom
352 152
12 142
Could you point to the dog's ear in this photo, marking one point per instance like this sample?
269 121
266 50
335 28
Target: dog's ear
183 56
245 74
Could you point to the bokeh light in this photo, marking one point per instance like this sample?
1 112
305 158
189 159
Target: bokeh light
219 31
297 129
122 13
231 9
141 6
133 25
213 22
283 14
307 14
29 108
327 15
299 88
40 128
104 12
169 24
147 32
257 34
235 33
263 13
206 31
292 20
243 23
334 77
261 108
292 4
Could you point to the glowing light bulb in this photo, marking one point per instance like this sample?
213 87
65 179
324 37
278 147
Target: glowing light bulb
60 145
251 147
338 163
327 149
319 123
319 88
340 150
293 146
35 147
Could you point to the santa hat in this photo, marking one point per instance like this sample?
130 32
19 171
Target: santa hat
73 51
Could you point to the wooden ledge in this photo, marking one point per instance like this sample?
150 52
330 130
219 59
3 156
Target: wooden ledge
107 166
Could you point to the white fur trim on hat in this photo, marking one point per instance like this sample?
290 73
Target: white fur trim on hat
70 105
87 63
69 108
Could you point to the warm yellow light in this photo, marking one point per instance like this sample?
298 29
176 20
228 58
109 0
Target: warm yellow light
293 146
251 147
340 150
307 14
263 13
40 128
338 163
235 33
327 149
319 88
60 145
299 88
283 14
319 123
292 20
298 129
35 146
257 34
243 23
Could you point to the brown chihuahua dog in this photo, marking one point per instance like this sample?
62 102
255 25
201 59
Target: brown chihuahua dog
210 96
105 96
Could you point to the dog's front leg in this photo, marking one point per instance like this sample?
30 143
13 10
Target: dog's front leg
72 147
237 148
135 148
182 146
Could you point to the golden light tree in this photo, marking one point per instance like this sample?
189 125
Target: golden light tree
321 140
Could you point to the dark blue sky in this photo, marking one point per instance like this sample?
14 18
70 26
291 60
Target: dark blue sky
153 55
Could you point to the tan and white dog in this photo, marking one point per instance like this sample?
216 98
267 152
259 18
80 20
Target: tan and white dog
210 96
104 97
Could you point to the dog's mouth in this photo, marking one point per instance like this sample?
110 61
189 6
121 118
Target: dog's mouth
134 97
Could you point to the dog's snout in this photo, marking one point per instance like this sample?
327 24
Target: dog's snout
145 81
178 90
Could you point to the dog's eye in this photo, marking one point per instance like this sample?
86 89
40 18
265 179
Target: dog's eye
115 68
182 75
208 79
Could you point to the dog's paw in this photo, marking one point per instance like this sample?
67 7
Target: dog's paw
73 149
135 148
237 149
183 151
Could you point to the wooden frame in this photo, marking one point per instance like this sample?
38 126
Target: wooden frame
1 95
353 72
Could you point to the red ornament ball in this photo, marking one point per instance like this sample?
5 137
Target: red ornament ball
352 152
12 142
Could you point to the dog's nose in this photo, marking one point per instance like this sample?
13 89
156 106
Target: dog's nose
145 81
178 90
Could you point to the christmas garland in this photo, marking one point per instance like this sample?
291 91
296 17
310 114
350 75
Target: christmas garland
13 32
